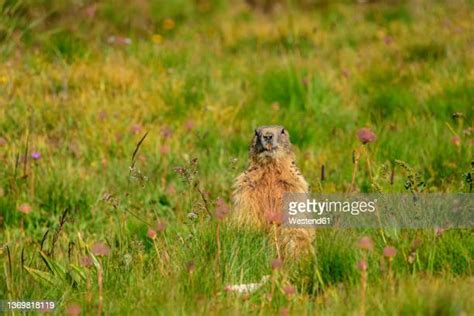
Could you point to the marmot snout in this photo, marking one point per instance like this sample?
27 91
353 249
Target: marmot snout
270 142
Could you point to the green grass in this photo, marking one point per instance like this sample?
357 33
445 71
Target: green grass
199 88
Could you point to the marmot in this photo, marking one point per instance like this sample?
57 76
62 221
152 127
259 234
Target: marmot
258 192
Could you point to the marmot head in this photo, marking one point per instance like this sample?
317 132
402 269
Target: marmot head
270 142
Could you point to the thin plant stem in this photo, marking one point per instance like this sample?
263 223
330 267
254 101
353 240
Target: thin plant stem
100 286
275 236
218 255
355 163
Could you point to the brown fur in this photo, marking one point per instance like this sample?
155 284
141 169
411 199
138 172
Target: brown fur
258 192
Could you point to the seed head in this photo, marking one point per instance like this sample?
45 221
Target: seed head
73 310
160 226
36 155
366 243
25 208
362 265
389 251
366 135
85 261
276 263
100 249
456 140
275 217
151 233
222 209
289 290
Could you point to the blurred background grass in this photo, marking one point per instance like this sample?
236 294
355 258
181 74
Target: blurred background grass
81 82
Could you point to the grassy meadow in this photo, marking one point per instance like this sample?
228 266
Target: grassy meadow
124 123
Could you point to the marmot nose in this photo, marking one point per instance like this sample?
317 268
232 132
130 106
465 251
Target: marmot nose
268 138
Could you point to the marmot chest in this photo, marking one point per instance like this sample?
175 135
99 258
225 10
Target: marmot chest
268 187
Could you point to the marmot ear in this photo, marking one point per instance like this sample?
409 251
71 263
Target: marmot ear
283 131
256 132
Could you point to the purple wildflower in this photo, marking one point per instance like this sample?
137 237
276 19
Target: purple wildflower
366 135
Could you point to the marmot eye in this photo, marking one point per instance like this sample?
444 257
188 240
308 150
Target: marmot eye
283 131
